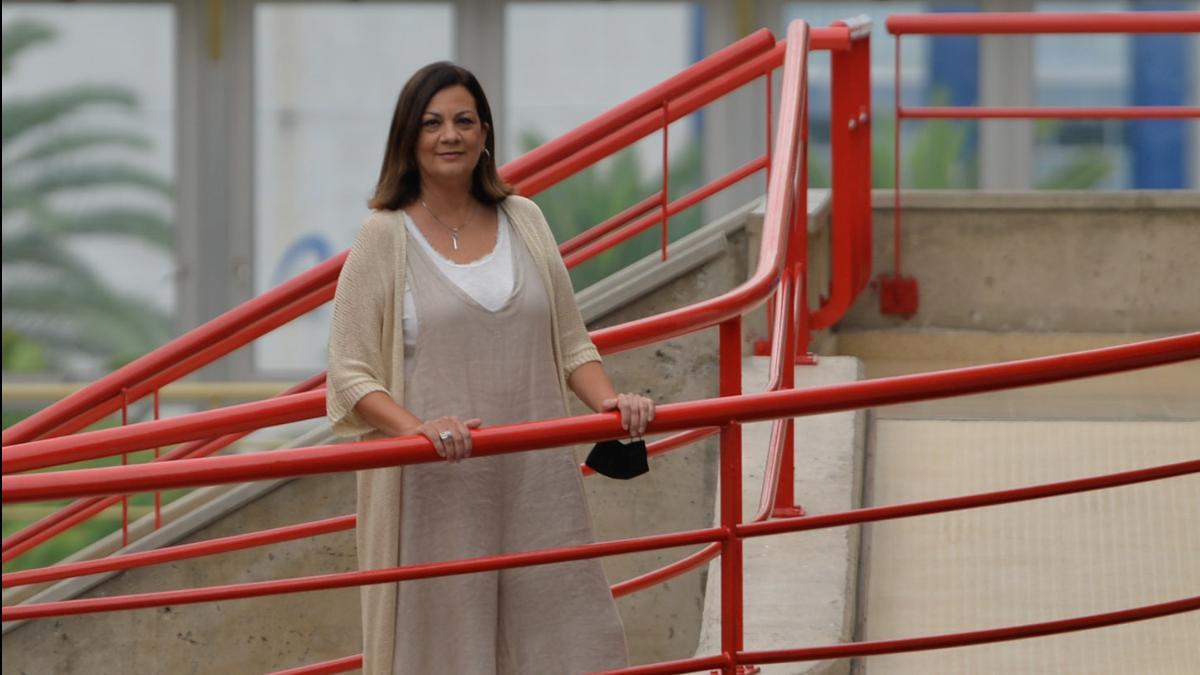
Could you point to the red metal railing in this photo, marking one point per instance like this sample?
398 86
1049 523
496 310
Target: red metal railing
780 269
42 454
899 294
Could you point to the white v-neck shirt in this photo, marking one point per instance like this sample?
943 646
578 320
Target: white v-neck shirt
488 280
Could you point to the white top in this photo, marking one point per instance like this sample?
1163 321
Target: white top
488 280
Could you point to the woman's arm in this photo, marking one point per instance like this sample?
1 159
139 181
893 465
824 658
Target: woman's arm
380 411
592 385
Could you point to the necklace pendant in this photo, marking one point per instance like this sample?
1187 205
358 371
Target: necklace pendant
454 240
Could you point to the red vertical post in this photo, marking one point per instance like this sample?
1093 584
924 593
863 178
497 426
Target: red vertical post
763 347
124 461
666 199
896 161
798 245
157 493
731 493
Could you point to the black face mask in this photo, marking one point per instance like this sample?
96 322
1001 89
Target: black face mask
619 460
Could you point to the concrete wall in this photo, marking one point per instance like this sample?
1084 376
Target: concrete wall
1043 261
236 636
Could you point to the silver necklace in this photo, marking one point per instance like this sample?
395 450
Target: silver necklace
453 230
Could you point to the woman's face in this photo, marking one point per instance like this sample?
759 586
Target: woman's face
452 136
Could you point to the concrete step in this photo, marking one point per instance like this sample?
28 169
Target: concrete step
799 588
1032 561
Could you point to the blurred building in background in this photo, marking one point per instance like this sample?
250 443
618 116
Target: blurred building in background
165 161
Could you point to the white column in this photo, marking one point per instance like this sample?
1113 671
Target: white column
479 47
1006 79
735 125
214 167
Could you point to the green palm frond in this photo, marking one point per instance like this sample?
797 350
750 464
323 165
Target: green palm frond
1084 171
140 224
94 175
56 147
34 247
24 114
20 35
122 325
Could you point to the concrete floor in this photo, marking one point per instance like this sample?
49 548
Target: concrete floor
1039 560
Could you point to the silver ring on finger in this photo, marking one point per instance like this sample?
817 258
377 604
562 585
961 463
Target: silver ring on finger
445 435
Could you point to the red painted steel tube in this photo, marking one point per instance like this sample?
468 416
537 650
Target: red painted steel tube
609 122
613 223
343 579
847 650
237 542
731 492
342 665
668 572
977 637
144 435
359 578
235 339
666 174
1127 112
652 121
180 552
772 248
108 387
877 513
589 428
994 23
685 202
81 510
851 185
695 664
897 163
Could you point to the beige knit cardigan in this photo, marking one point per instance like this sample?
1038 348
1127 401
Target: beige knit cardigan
366 354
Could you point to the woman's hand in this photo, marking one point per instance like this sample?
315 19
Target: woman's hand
637 411
451 437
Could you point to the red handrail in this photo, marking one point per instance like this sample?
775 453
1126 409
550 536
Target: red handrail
259 538
599 549
997 23
590 428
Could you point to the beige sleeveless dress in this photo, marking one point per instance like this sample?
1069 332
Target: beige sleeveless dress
498 366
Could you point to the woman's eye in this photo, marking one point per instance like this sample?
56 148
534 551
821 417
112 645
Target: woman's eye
466 122
431 124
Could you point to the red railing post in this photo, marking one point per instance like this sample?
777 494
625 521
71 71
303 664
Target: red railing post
124 462
157 449
850 137
666 199
730 366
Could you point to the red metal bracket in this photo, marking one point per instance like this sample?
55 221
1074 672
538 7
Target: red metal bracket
898 295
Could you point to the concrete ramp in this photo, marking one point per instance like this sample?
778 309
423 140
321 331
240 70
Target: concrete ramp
1033 561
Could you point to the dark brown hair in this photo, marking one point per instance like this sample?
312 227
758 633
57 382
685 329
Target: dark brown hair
400 178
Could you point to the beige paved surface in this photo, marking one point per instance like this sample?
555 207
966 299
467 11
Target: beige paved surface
1039 560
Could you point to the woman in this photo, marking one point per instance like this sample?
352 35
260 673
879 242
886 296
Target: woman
454 311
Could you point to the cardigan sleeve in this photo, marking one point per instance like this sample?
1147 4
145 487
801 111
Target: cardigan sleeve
356 360
575 344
